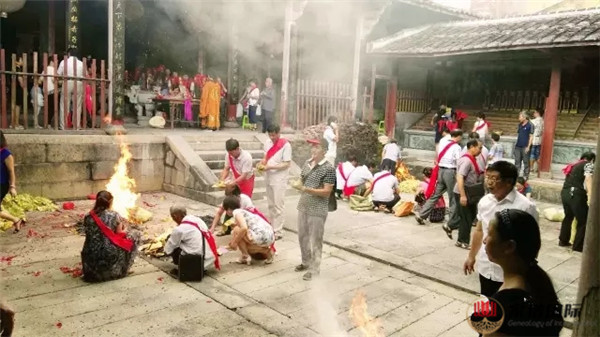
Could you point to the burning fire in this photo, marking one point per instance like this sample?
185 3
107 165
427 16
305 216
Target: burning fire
121 187
403 173
369 326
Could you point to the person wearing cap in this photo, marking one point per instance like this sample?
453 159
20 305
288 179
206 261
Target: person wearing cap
316 187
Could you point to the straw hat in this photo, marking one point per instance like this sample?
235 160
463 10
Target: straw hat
383 139
157 122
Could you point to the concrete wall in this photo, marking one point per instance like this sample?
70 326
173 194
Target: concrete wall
74 166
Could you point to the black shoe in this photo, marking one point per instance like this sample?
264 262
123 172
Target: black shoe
448 231
419 219
301 267
174 272
563 244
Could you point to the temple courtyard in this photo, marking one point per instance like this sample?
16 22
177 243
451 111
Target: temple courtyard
410 276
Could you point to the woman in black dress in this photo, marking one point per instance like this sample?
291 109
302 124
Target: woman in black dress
531 307
108 251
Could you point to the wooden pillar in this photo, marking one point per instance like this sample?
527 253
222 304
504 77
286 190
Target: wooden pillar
233 66
72 23
51 28
390 107
550 117
293 84
372 96
356 66
588 294
285 68
117 67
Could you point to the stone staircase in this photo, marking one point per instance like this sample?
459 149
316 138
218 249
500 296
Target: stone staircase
211 149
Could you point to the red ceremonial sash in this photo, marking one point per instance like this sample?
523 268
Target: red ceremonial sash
211 242
341 170
246 186
255 211
275 148
567 169
482 125
118 239
434 172
474 162
348 190
387 174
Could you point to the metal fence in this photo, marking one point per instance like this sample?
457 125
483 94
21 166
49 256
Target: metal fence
86 92
510 100
412 101
316 101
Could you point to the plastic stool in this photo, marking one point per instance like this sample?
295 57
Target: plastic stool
246 122
381 127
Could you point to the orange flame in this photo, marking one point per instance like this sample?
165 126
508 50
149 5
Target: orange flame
403 173
369 326
121 186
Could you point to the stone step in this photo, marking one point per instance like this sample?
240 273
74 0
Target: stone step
219 164
220 155
221 137
220 145
216 198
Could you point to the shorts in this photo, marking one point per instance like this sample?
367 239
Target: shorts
535 152
3 192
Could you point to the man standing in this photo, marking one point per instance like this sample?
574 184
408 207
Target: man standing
331 135
443 177
267 104
68 70
253 96
276 164
536 145
391 155
223 102
523 144
574 195
239 162
500 179
468 172
318 178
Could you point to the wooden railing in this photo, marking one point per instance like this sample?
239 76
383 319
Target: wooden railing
315 101
412 101
505 100
82 91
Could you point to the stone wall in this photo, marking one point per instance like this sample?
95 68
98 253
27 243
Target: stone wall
74 166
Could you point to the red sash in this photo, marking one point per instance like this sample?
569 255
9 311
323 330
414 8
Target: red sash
118 239
275 148
387 174
434 172
247 185
253 210
567 169
348 190
474 162
341 170
211 242
482 125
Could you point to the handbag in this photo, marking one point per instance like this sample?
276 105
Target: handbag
474 193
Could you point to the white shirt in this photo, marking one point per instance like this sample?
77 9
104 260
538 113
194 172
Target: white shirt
245 202
70 60
383 189
242 164
538 130
347 168
49 80
359 176
278 177
189 239
392 151
450 158
483 131
253 96
486 211
329 136
481 158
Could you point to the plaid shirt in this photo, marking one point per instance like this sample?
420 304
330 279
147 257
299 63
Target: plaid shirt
316 177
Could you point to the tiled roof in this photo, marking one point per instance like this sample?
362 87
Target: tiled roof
565 29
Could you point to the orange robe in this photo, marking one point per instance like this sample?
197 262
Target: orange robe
209 105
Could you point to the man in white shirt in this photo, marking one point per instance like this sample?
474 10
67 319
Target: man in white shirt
331 135
384 190
67 70
391 155
342 171
276 164
450 150
253 97
356 182
49 83
536 143
500 179
238 164
187 238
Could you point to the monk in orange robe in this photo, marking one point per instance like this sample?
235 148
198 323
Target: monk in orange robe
209 105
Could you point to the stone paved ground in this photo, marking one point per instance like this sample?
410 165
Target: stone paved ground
257 300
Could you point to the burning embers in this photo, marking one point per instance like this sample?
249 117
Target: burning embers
369 326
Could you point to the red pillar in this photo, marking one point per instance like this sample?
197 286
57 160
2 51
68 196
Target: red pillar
550 117
390 108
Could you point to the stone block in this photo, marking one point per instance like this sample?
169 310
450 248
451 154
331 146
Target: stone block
69 153
168 172
146 168
170 158
147 151
53 172
33 189
179 165
189 180
103 169
67 189
149 184
178 178
28 153
107 151
99 185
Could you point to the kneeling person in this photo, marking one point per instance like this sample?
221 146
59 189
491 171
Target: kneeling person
384 190
190 237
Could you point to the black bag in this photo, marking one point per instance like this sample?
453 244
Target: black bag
420 198
474 193
191 267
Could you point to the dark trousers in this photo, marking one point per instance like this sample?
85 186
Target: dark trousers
488 287
175 256
252 114
521 156
223 112
267 119
463 219
576 207
388 204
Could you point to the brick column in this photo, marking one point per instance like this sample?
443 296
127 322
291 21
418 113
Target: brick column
550 117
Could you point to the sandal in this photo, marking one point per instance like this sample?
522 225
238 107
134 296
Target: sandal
245 260
20 223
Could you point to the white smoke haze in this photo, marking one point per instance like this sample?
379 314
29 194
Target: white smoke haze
324 310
